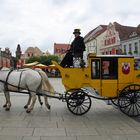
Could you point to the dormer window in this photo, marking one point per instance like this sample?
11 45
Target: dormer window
133 34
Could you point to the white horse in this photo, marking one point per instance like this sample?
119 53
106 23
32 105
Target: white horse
26 79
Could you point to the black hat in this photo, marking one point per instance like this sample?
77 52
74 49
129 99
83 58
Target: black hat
76 31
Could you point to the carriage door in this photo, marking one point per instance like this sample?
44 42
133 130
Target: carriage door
109 76
96 74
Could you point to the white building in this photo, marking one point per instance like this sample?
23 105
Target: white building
113 39
92 39
131 46
110 41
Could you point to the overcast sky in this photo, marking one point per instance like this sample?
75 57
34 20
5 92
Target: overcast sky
41 23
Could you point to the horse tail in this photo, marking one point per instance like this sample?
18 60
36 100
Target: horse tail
45 85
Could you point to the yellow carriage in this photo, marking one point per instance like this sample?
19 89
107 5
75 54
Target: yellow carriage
107 77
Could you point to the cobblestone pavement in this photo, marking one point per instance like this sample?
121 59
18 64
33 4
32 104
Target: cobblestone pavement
102 122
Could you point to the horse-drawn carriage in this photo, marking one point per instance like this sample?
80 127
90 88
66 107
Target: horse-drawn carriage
113 78
106 77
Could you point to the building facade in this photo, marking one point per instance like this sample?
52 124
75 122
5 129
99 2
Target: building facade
5 58
111 42
131 45
32 51
93 40
115 39
60 49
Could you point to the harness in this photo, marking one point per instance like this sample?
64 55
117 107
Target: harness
37 93
19 87
6 81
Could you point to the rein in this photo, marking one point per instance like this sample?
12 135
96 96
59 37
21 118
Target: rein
39 93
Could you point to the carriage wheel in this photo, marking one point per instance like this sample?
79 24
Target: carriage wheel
129 100
69 92
79 102
115 102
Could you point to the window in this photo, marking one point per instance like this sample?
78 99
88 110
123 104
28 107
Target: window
136 48
109 67
130 49
95 69
124 49
137 64
105 67
117 51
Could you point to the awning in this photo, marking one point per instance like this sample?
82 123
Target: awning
52 66
31 64
42 66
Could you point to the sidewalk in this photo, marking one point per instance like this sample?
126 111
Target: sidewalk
102 122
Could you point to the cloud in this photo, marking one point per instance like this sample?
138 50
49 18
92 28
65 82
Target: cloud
43 22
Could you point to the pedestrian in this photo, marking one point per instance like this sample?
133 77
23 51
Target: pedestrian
76 49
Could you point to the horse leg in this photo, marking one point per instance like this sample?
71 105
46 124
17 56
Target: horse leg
39 99
5 94
46 102
7 105
33 97
29 101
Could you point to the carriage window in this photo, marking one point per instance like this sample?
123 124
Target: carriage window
137 64
95 68
109 69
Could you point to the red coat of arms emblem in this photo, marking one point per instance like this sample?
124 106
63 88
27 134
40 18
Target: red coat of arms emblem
125 67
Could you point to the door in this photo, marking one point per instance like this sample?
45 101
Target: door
96 74
109 76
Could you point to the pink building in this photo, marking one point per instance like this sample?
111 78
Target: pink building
5 58
60 49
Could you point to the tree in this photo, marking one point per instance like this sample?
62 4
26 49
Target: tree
49 58
32 59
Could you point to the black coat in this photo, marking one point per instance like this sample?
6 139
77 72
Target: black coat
78 45
76 50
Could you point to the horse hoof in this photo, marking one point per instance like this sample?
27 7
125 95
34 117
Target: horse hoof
7 109
4 105
28 111
25 106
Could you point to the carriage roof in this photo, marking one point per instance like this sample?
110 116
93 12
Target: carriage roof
110 56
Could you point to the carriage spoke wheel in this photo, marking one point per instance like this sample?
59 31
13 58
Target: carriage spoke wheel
129 100
69 92
79 102
115 101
